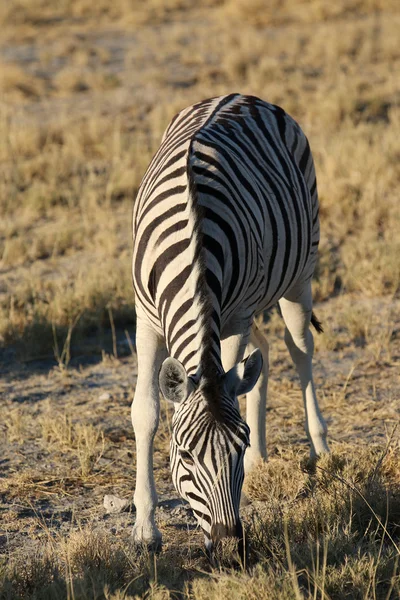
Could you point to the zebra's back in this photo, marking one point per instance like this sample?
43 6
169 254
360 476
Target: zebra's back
229 203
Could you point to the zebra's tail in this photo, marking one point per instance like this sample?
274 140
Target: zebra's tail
316 323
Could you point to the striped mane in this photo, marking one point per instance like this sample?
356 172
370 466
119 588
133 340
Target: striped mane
210 369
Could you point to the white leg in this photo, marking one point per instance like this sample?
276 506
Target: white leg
233 343
145 417
256 405
296 310
233 346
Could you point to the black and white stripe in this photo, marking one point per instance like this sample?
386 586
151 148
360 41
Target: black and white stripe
225 225
233 176
213 486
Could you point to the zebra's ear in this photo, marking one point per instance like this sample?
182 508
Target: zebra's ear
173 380
242 378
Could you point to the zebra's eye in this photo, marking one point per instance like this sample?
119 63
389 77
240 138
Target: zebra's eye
186 457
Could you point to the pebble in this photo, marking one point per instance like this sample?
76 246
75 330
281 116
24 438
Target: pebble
104 396
113 504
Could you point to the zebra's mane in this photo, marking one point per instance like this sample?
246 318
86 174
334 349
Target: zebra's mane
210 368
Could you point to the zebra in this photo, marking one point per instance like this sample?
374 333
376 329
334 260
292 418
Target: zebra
225 225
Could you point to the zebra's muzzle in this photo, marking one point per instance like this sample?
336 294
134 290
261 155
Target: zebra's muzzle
227 546
220 531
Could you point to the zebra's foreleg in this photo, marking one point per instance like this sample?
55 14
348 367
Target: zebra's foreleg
233 349
145 417
233 346
296 310
256 405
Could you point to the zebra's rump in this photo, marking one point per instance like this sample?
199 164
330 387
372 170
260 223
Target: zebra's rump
227 211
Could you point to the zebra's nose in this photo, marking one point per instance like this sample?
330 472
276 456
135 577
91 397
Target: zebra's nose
220 531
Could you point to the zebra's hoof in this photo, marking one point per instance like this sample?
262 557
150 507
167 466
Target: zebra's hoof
228 553
150 540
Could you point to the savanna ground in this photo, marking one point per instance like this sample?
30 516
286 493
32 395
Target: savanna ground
86 90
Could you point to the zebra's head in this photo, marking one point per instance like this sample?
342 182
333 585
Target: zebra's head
209 439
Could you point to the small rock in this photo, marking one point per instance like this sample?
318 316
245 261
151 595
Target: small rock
104 396
113 504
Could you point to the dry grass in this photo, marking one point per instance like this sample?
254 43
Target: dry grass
331 532
87 563
85 442
67 195
86 91
17 85
69 180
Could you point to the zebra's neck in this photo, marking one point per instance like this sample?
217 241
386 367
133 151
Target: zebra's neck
197 342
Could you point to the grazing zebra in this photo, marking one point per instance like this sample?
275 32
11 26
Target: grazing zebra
225 225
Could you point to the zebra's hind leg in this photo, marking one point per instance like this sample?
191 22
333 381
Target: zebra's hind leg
256 405
296 310
145 417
